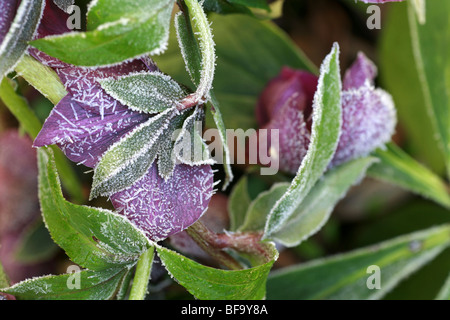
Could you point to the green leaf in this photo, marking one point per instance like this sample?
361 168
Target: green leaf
19 108
444 293
42 78
400 169
401 80
324 138
246 61
238 203
312 214
21 31
430 42
190 148
346 276
216 284
315 209
149 92
259 209
94 285
119 30
93 238
192 56
127 160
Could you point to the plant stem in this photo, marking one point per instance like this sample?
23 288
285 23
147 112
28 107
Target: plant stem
208 56
244 242
205 240
142 275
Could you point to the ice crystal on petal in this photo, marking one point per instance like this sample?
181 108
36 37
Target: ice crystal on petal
161 208
361 71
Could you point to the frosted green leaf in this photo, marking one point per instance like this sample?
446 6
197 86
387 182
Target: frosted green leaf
93 238
93 285
21 31
325 134
117 30
216 284
314 211
190 148
149 92
192 56
129 159
166 157
353 275
259 208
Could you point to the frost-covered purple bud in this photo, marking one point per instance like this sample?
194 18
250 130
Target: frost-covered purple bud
368 114
295 87
286 104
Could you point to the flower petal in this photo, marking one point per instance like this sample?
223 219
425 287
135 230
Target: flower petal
164 207
281 88
362 70
368 122
84 135
294 136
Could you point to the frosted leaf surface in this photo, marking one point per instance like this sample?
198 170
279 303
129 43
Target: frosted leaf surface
190 148
161 208
83 135
145 92
21 30
128 159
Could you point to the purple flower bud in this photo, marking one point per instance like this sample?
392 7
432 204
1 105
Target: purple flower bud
368 114
286 104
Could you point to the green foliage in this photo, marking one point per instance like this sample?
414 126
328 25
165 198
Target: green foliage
216 284
346 276
325 134
117 31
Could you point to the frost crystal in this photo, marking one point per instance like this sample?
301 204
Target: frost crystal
162 208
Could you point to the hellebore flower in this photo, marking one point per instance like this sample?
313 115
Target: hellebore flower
368 114
88 121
